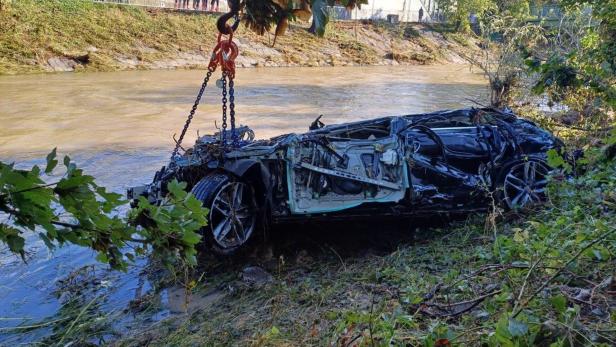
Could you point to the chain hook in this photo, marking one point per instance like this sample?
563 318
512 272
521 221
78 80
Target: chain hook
224 54
234 12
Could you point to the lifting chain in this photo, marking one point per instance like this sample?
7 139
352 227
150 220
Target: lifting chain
223 55
178 143
234 135
224 107
231 100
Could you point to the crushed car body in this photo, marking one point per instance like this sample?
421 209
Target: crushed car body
447 161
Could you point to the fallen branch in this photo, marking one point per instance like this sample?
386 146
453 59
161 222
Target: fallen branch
530 271
437 310
498 267
560 270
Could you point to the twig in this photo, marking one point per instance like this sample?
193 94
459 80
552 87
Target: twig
583 129
370 323
557 273
576 331
30 189
339 257
353 340
476 102
484 268
472 304
482 297
577 300
530 271
466 332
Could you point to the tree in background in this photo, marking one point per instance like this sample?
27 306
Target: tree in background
458 12
515 8
262 15
578 68
569 59
501 60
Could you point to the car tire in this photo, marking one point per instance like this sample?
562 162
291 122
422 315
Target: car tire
232 216
522 183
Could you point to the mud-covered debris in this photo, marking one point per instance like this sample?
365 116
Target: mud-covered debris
255 275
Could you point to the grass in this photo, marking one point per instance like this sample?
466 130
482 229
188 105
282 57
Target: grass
96 37
518 278
510 278
542 277
33 31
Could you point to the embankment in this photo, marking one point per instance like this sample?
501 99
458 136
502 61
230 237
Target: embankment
78 35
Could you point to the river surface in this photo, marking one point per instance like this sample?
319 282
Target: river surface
119 128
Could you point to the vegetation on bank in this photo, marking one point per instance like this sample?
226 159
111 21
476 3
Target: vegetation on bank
70 208
79 35
511 278
93 36
518 278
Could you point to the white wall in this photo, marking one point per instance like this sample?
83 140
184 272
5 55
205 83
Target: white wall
407 10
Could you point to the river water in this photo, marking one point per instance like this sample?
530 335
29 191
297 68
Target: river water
119 128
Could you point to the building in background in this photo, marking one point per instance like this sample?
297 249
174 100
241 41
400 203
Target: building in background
405 10
390 10
161 3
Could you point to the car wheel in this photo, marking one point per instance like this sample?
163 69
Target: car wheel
523 183
232 217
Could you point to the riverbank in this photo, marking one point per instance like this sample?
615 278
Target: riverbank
522 278
525 278
76 35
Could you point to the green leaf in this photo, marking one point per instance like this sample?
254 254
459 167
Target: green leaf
12 238
555 159
517 328
51 161
16 244
70 167
273 332
177 189
501 334
191 237
559 302
47 241
102 257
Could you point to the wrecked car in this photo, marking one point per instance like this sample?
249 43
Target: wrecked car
400 167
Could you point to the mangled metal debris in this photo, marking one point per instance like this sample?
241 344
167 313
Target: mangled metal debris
399 166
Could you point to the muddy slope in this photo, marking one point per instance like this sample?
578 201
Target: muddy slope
91 37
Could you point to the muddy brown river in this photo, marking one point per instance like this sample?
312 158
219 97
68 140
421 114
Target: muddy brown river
119 128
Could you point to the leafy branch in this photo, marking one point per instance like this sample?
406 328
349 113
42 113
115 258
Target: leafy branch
75 210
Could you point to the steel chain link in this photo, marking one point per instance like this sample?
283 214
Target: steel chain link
178 143
234 135
215 61
224 109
